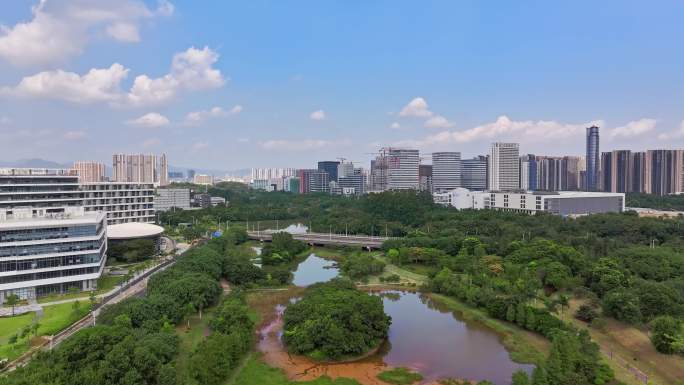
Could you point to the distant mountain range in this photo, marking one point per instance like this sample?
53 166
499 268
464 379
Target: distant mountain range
42 163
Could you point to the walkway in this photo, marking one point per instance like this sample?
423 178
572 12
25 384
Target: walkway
331 239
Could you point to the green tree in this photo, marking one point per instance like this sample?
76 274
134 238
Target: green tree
12 300
520 378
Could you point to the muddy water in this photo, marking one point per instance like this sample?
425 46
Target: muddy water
424 336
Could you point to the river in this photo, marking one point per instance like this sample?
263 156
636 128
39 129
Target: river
425 336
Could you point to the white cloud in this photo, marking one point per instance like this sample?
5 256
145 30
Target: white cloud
215 112
127 32
296 145
674 134
197 146
634 128
150 120
59 30
5 120
191 70
395 126
98 85
506 129
438 121
417 108
317 115
74 135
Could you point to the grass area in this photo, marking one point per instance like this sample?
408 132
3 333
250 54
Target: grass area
58 317
189 339
405 275
255 372
104 284
400 376
55 319
523 346
630 346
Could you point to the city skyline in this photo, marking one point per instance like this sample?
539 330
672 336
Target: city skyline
250 95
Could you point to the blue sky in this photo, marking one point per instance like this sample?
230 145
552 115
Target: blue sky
286 83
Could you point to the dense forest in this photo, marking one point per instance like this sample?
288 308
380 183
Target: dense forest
666 202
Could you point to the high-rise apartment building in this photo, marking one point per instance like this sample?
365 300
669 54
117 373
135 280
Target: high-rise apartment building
446 171
272 173
163 171
474 173
203 179
504 174
345 169
89 171
549 173
140 168
592 159
570 173
664 172
403 169
329 166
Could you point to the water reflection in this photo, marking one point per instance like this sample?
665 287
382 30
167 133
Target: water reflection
313 270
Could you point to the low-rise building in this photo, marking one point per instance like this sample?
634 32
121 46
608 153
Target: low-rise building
565 203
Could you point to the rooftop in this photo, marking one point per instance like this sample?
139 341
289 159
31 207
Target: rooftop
133 230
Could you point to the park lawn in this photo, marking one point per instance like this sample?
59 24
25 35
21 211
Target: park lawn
58 317
400 376
255 372
13 325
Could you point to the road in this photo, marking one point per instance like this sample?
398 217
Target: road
365 241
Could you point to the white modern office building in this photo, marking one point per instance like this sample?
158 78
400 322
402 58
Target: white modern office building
564 203
503 168
48 241
446 171
402 167
122 202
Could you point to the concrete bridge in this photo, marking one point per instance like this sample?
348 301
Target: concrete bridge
323 239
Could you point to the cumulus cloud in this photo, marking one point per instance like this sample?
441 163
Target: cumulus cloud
296 145
674 134
97 85
395 125
59 30
191 70
317 115
215 112
150 120
634 128
438 121
505 129
417 108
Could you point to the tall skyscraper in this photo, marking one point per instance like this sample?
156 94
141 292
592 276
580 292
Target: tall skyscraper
570 169
528 172
163 171
503 167
403 169
593 165
311 181
425 177
474 173
329 166
89 171
664 172
446 171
